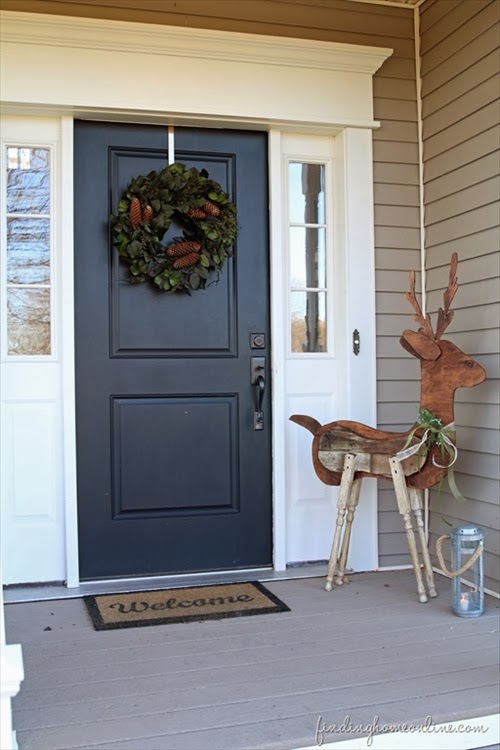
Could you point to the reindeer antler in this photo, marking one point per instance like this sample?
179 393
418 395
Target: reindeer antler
446 316
425 322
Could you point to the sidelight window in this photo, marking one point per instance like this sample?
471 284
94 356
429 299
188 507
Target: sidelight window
27 256
307 252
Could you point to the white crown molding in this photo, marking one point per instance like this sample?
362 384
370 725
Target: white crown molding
124 36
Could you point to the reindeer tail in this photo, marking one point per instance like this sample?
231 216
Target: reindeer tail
309 423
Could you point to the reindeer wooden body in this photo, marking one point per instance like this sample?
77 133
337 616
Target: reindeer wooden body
344 452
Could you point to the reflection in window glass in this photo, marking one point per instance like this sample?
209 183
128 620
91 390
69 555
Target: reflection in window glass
28 317
18 158
307 193
308 321
307 257
28 180
28 272
28 251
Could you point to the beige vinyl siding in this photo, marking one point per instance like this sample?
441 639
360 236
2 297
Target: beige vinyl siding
460 88
395 161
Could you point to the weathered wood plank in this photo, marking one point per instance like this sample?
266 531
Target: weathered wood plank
370 457
362 441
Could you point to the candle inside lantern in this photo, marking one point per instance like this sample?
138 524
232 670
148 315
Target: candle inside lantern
464 602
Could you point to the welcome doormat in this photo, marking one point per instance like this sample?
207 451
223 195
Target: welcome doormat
141 608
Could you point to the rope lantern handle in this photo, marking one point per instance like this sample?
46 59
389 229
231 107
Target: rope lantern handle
465 566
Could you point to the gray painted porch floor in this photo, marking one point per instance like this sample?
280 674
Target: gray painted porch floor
365 650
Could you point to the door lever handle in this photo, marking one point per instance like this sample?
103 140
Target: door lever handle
261 387
258 415
258 381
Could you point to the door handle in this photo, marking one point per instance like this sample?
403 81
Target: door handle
258 381
261 387
258 415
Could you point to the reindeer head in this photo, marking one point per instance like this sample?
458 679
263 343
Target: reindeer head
444 366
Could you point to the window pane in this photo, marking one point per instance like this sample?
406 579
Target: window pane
307 257
28 251
28 180
28 321
308 321
307 193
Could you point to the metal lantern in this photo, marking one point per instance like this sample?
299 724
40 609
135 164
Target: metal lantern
467 543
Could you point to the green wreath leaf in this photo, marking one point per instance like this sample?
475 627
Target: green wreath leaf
203 209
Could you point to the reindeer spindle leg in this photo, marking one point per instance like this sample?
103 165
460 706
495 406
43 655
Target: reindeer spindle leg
404 508
340 578
416 506
345 488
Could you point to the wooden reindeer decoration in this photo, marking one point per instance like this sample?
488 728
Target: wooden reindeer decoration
344 452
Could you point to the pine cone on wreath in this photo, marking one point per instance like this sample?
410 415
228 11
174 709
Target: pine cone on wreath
186 260
135 212
196 213
183 248
147 214
211 208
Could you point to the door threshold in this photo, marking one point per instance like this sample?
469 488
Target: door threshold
39 593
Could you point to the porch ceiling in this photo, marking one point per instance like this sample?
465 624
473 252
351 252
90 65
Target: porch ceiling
394 3
365 650
397 2
390 2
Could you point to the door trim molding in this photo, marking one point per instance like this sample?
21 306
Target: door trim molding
67 296
278 305
189 42
254 68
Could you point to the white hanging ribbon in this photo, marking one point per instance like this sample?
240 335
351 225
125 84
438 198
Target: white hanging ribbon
439 437
450 446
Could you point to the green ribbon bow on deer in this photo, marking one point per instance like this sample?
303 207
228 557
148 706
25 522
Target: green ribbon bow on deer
435 433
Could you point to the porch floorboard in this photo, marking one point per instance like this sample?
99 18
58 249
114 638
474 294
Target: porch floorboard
365 650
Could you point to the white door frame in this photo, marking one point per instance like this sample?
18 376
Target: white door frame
324 88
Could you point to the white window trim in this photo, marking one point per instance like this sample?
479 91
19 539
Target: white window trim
254 68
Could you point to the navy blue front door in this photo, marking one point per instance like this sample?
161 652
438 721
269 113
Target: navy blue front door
172 476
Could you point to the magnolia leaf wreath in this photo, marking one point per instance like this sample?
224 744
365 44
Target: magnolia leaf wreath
145 213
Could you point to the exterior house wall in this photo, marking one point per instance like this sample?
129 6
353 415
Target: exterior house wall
460 62
396 191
